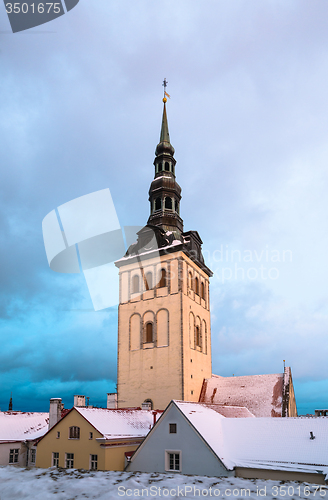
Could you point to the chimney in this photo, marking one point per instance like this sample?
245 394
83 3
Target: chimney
55 410
79 401
112 400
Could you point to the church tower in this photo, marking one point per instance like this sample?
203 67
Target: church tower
164 336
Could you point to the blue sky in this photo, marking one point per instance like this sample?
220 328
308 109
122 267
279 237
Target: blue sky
80 111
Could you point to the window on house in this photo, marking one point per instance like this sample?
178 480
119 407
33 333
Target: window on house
58 435
197 335
69 460
93 462
74 432
190 280
33 455
158 204
168 203
13 456
167 166
90 435
149 333
173 461
162 279
55 459
135 284
196 286
202 290
172 428
149 281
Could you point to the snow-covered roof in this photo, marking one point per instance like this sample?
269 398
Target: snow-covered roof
125 423
231 411
261 394
266 443
22 426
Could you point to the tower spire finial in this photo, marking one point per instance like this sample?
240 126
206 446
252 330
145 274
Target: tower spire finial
165 136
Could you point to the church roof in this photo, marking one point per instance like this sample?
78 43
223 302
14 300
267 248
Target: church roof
231 411
22 426
261 394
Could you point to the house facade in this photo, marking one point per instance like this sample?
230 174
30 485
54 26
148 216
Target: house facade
94 438
194 438
18 432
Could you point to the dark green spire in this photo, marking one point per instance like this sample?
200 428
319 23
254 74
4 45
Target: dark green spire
165 136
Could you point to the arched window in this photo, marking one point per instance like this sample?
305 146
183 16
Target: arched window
168 203
196 286
160 167
162 279
202 290
158 204
74 432
149 281
167 166
135 284
197 337
190 280
149 333
147 405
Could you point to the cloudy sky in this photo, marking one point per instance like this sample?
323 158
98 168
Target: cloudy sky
80 111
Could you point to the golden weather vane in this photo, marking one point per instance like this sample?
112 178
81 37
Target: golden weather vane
164 84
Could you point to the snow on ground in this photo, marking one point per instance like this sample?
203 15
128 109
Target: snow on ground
63 484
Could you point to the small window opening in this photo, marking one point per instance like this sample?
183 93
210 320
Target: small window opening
172 428
160 167
167 166
149 281
147 405
162 280
149 333
198 343
168 203
158 204
202 290
190 280
196 286
135 284
74 432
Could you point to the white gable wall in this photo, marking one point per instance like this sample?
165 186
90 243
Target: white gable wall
195 456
